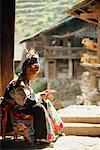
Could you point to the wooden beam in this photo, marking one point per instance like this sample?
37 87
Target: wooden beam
92 15
94 11
68 34
78 6
64 35
98 52
7 43
82 10
87 20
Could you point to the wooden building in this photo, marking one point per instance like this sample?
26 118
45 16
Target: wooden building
89 11
62 48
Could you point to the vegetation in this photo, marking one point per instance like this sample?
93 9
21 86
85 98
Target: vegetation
39 85
35 15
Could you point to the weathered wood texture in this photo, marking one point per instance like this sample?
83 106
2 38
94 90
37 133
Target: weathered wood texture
7 43
99 41
62 52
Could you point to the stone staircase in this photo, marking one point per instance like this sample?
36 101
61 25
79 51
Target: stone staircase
81 120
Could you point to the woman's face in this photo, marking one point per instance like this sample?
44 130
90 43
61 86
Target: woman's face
33 71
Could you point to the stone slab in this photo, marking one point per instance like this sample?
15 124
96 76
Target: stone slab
77 143
81 129
80 113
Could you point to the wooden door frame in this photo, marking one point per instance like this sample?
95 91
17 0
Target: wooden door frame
7 43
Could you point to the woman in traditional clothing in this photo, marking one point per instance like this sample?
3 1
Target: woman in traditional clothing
20 104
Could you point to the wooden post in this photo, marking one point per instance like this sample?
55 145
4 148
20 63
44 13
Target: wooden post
46 68
70 68
7 43
98 52
70 63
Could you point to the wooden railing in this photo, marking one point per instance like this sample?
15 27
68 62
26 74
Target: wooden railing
59 52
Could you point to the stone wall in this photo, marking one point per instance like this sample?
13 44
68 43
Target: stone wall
89 88
66 90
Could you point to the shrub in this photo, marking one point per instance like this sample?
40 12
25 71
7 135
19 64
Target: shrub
39 85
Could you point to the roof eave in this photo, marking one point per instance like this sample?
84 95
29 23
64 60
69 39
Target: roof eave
78 7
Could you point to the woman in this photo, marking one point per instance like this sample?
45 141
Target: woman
20 100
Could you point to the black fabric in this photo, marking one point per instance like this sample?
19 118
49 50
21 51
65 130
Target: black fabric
39 122
44 103
9 126
27 108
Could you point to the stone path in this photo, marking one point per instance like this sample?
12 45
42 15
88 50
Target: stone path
77 143
63 143
83 115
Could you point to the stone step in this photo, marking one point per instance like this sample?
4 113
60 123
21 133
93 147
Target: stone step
81 119
78 114
81 129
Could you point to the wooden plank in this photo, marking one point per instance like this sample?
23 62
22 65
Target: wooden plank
7 43
92 15
80 119
68 34
0 76
78 16
98 52
79 6
61 48
81 129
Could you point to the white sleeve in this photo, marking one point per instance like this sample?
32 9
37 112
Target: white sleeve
38 97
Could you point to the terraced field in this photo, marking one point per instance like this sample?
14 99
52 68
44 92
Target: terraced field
35 15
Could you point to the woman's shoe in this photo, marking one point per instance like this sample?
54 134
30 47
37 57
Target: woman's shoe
61 134
28 140
44 141
41 141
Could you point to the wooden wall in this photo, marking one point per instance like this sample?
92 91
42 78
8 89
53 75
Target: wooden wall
7 43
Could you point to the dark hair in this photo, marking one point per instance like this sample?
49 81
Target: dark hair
29 62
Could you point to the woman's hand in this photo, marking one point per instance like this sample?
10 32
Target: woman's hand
47 94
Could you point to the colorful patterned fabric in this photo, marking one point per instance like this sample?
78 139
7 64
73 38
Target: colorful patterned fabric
22 118
24 114
54 120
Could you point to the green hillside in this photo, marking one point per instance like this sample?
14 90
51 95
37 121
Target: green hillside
35 15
